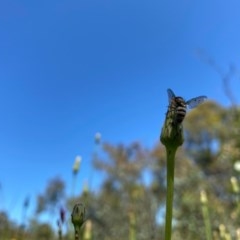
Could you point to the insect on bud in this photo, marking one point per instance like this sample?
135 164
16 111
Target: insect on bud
171 134
172 131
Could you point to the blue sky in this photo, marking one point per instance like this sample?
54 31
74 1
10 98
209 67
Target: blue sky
71 68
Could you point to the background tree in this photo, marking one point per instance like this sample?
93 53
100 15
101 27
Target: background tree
211 170
124 205
54 193
41 231
129 203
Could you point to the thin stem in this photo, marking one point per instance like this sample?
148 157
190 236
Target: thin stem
74 180
60 234
77 234
170 188
206 216
207 222
132 226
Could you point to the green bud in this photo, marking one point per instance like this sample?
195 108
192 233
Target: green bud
172 132
78 215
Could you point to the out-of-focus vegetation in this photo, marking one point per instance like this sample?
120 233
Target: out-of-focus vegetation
129 204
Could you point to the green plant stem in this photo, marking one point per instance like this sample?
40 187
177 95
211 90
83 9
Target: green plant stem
60 233
77 233
171 137
205 213
207 222
132 226
74 180
170 189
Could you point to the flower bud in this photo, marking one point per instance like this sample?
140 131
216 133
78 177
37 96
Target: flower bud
76 164
78 215
97 137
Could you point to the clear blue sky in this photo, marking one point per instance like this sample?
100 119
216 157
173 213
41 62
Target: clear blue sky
71 68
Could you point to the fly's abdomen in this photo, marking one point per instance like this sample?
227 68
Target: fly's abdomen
180 114
180 109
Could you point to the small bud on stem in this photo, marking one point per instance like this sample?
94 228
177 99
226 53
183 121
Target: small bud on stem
78 218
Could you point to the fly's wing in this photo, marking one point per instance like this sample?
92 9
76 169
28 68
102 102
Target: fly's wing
170 94
194 102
